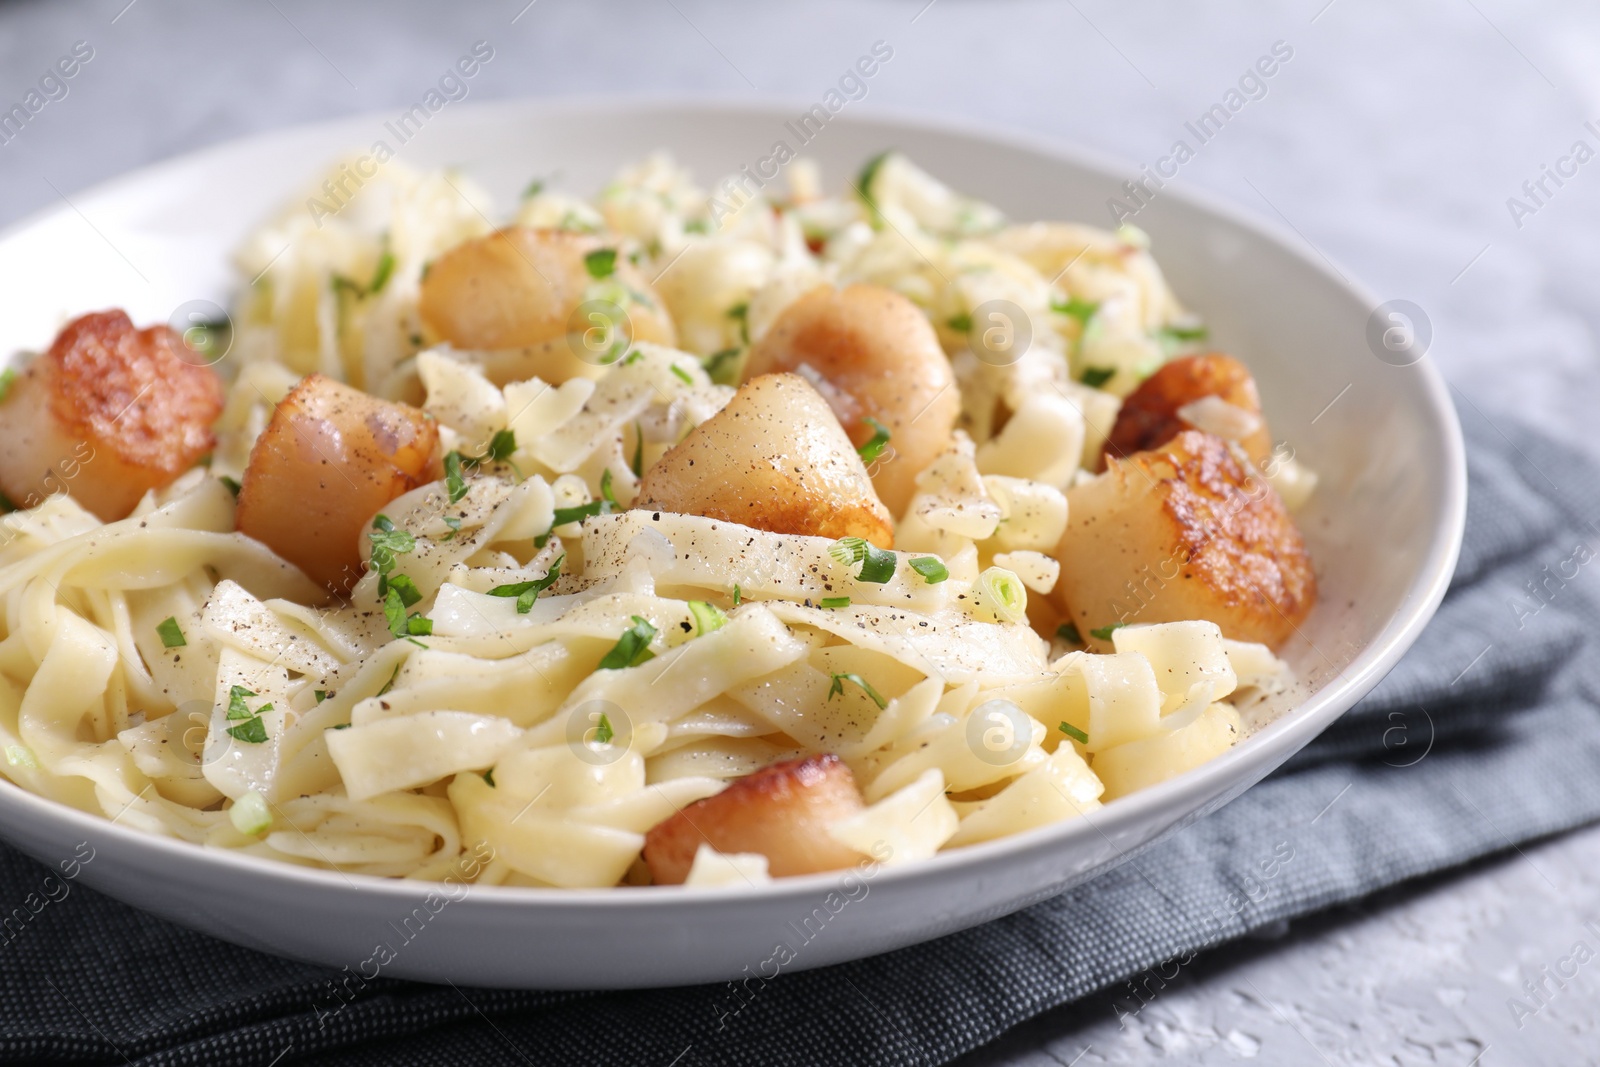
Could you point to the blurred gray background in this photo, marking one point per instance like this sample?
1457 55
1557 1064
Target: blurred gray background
1392 143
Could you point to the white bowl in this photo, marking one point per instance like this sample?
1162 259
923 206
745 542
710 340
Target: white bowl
1384 530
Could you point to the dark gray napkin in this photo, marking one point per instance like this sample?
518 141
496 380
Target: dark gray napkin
1486 735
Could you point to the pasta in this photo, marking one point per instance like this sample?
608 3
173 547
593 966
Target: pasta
644 540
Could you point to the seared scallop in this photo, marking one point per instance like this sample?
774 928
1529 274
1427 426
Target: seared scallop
782 812
328 461
1212 392
107 414
776 459
1184 531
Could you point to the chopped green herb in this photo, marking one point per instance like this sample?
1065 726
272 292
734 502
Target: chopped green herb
237 708
601 263
1074 733
21 756
742 313
707 617
837 688
961 323
488 777
419 626
253 731
533 189
697 226
1104 632
722 367
864 181
390 683
638 450
632 648
931 568
1186 332
402 584
455 483
682 375
501 446
1082 310
343 726
250 815
603 733
606 492
633 357
1095 377
877 564
580 512
454 522
394 613
834 602
321 695
527 593
170 633
7 378
738 595
880 440
1068 631
380 276
232 484
388 542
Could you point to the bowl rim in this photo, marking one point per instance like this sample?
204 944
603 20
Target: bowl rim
1248 761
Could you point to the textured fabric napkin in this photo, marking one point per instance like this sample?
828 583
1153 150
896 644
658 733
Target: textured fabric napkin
1486 735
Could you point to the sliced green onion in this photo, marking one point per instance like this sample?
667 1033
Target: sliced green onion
707 617
250 814
170 633
632 648
1074 733
931 568
1104 632
1179 332
533 189
21 756
1002 593
738 595
682 375
606 492
488 777
380 277
837 688
834 602
722 367
603 733
527 593
638 450
1082 310
232 484
1069 632
1095 377
961 323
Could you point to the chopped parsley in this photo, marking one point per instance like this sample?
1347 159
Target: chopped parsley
401 624
1072 307
738 594
837 688
502 446
1068 631
880 440
682 375
170 633
721 367
576 513
707 617
601 263
252 731
834 602
1186 331
632 648
455 483
388 541
961 323
237 708
232 484
742 313
931 568
488 777
380 277
603 733
527 593
877 564
1074 733
606 492
1095 377
321 695
1104 632
403 585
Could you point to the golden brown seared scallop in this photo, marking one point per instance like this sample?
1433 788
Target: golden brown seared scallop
328 461
782 811
107 414
1184 532
871 353
1154 414
775 459
516 293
